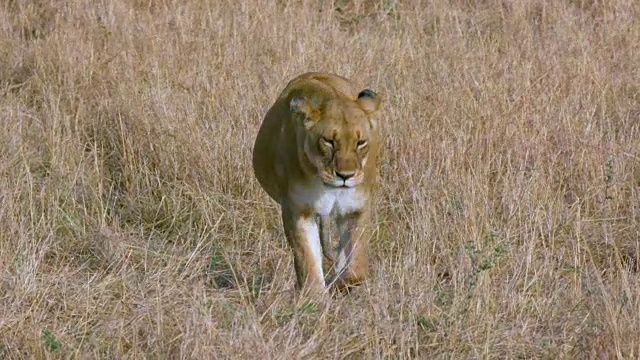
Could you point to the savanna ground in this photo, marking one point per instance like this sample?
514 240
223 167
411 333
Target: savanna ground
131 225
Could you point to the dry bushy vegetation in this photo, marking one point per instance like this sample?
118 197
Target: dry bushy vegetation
131 224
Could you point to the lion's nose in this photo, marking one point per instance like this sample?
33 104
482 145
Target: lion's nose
345 175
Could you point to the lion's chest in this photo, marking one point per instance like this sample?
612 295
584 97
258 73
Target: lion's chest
323 199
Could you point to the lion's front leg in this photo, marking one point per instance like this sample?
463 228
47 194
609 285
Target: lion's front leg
352 266
303 235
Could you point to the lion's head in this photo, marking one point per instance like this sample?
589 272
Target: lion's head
337 135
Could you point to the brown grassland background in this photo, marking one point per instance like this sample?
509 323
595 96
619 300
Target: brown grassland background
131 225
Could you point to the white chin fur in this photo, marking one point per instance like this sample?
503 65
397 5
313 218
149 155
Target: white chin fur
334 183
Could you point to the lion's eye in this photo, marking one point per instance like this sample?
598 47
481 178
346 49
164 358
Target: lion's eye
327 142
362 143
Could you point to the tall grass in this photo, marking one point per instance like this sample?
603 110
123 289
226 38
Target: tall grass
131 224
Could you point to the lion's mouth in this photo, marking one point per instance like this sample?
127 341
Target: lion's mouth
340 183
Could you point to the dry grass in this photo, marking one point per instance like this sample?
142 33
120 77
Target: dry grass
131 225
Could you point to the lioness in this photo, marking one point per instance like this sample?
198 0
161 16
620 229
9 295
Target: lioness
315 154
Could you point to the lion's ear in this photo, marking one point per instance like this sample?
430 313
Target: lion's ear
306 107
369 101
298 104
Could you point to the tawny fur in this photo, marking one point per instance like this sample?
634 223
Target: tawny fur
315 154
